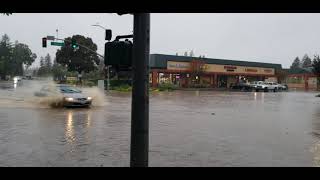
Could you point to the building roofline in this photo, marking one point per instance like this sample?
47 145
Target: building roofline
222 61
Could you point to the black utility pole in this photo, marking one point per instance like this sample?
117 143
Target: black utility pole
140 91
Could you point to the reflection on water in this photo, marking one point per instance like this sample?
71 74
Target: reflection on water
262 97
89 119
316 133
70 127
197 93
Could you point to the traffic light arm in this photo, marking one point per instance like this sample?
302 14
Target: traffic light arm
81 46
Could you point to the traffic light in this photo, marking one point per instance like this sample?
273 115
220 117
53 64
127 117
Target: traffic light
74 44
118 53
44 42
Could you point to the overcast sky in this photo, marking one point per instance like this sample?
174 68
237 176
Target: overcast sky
274 38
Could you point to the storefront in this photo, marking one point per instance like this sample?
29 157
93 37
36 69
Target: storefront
194 72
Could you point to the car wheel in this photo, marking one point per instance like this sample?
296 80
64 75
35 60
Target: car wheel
275 90
266 90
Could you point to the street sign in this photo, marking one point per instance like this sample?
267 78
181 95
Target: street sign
57 43
51 38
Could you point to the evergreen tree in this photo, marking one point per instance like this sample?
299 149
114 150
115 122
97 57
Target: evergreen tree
296 63
306 61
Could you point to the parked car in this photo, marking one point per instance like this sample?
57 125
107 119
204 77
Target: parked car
284 87
267 86
274 86
254 84
241 86
70 96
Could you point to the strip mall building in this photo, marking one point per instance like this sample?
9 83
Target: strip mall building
205 72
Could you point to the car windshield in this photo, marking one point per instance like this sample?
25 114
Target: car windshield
67 89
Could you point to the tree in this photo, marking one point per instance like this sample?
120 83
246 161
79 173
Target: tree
191 53
13 58
58 71
79 59
306 61
22 55
281 74
5 55
316 64
48 62
41 61
44 69
296 63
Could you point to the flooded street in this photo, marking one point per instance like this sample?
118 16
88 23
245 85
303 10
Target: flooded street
187 128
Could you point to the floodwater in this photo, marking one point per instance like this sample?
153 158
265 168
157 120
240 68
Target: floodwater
187 128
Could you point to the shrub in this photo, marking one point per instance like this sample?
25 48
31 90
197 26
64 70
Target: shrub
123 88
166 87
89 83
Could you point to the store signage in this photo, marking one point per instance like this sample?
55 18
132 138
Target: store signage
251 70
230 67
178 65
217 68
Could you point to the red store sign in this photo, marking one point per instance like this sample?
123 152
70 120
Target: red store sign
230 67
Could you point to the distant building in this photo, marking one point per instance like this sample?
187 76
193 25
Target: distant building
301 78
186 71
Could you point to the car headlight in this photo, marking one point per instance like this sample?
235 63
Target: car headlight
89 98
15 79
69 99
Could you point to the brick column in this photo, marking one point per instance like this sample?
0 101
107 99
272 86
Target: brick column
306 85
215 79
154 79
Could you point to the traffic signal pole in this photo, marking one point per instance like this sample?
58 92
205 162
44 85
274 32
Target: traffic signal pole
139 149
83 46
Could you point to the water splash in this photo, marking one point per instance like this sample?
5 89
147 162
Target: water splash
24 96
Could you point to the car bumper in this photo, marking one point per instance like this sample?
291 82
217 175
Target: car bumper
77 103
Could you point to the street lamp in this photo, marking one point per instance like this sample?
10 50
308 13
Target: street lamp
108 78
99 26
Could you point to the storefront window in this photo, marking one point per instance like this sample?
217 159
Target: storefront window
164 78
150 78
